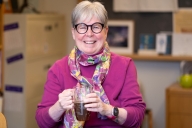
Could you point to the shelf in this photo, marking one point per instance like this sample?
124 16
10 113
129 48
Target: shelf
158 57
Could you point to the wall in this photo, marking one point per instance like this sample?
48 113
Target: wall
154 76
144 22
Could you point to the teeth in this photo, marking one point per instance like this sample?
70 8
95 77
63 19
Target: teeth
89 42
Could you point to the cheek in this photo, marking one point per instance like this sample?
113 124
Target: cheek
104 35
76 36
79 36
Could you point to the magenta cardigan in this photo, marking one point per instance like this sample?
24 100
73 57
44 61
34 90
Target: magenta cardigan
120 86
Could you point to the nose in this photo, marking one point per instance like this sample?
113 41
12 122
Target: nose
89 31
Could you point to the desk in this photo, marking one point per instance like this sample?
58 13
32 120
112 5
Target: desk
178 107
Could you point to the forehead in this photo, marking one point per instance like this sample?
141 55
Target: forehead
89 20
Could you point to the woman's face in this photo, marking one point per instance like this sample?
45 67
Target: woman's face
90 42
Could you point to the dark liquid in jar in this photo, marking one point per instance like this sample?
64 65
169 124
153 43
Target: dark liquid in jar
81 112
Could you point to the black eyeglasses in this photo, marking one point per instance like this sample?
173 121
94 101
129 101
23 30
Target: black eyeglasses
82 28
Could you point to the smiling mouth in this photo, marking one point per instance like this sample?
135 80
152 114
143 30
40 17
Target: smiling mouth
91 42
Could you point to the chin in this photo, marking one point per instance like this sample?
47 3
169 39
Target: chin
90 53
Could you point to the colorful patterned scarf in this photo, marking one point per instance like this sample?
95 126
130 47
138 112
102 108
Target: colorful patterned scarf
102 60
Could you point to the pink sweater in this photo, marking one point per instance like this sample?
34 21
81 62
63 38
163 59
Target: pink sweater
120 86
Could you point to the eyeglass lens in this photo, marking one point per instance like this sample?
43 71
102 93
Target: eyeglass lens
82 28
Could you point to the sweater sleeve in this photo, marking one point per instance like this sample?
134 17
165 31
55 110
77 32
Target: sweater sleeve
52 88
131 98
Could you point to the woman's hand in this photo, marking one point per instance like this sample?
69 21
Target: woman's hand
65 102
95 104
66 99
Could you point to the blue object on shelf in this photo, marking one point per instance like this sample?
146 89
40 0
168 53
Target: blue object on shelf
147 41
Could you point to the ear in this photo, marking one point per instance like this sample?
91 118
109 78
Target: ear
106 31
73 33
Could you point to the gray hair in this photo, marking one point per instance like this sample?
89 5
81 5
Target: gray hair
85 10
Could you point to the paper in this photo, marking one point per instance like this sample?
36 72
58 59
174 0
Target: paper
14 58
164 43
161 43
12 36
145 5
182 44
13 98
182 21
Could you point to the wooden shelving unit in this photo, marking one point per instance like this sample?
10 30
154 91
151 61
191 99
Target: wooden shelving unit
1 44
178 107
1 25
158 57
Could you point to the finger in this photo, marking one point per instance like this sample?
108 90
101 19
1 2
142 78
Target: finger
92 105
61 97
65 98
66 104
91 95
93 109
91 100
68 92
68 107
78 85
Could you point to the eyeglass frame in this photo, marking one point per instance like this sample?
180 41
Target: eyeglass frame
102 25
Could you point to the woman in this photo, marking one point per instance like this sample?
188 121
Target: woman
116 101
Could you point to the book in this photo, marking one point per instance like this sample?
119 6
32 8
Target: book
164 43
147 41
181 44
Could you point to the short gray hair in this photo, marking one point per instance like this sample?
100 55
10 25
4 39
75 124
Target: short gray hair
86 10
